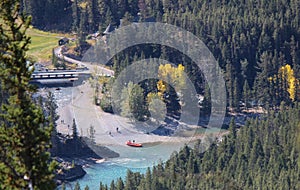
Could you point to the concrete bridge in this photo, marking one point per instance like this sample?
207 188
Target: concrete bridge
59 77
62 77
54 75
69 77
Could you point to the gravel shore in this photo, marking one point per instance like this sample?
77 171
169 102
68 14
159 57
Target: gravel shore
86 113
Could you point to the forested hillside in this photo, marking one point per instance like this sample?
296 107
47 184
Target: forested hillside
255 42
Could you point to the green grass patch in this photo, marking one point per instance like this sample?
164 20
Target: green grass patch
42 44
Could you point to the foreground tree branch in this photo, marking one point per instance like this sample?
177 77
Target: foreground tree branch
24 136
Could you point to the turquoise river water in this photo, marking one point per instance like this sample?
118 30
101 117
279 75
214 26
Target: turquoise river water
135 159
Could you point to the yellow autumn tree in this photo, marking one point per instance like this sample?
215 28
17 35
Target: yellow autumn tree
172 75
286 73
179 77
161 87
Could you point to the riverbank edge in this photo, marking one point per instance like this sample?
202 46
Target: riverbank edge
71 164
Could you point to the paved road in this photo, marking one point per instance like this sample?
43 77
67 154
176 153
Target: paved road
92 67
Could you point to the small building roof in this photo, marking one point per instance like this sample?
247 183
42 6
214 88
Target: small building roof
64 39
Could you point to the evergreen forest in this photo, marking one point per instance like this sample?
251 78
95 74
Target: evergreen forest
264 154
256 44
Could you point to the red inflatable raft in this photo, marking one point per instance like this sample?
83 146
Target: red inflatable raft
129 143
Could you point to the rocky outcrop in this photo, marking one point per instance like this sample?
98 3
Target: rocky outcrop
74 153
69 173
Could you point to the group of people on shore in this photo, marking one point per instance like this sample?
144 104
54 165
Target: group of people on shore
117 129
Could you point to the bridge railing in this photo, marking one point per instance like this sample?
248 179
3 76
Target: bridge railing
54 75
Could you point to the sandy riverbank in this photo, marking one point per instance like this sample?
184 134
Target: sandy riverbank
86 113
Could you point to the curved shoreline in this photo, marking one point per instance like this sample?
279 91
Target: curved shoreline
86 114
81 107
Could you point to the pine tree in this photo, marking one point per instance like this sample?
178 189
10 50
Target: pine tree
74 129
236 95
120 184
82 31
262 80
50 108
130 182
232 128
25 139
77 186
206 104
230 84
92 15
246 93
124 104
75 15
137 103
148 179
54 59
103 187
109 18
112 185
63 186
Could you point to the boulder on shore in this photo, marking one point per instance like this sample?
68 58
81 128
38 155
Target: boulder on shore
69 174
